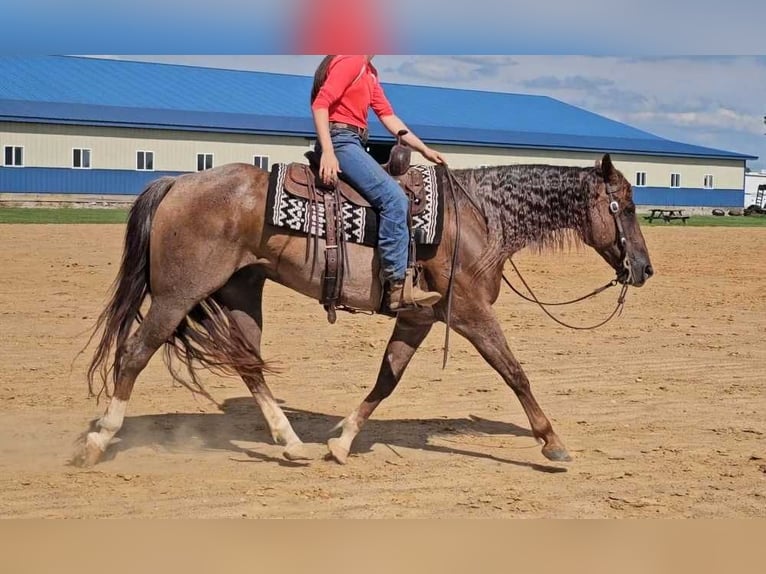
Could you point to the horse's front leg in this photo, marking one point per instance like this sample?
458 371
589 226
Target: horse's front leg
480 326
409 332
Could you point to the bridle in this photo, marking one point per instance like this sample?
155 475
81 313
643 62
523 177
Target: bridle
622 241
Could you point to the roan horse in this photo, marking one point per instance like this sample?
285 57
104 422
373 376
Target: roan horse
199 245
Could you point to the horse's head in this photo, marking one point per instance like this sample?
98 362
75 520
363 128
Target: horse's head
613 229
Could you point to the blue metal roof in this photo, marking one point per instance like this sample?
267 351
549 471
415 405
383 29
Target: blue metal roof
62 89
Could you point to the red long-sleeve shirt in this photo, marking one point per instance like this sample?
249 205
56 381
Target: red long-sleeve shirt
350 90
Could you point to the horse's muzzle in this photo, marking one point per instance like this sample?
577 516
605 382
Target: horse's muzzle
636 275
641 277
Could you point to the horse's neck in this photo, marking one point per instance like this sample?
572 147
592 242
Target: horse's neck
532 205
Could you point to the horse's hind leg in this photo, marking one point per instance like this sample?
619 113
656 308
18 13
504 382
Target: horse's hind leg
408 334
243 296
160 322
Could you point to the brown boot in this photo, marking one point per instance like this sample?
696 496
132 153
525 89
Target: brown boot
397 301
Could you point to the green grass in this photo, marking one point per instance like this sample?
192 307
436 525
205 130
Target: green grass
61 215
710 221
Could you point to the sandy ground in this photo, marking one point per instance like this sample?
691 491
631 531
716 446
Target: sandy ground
663 409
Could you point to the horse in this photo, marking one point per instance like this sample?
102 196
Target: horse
198 246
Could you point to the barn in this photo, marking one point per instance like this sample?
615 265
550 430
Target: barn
89 129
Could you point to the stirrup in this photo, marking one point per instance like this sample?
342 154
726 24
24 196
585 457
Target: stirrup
408 296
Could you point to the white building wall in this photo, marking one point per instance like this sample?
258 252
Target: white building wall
47 145
115 148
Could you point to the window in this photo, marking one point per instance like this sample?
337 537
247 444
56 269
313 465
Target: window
145 160
81 158
708 182
261 161
204 161
14 156
675 180
640 178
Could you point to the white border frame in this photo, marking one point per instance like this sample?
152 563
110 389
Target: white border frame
23 155
268 161
144 151
205 153
90 157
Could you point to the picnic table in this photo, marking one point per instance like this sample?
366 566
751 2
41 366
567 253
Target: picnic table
667 215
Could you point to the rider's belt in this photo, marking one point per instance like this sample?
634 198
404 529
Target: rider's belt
361 132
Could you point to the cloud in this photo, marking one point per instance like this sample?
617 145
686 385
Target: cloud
719 118
497 61
567 83
435 70
453 69
623 98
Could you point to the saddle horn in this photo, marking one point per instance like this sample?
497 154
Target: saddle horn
401 154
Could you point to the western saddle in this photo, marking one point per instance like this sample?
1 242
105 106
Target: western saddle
303 181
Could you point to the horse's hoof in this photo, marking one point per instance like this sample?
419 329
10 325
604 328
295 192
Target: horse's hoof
556 453
337 450
89 453
296 452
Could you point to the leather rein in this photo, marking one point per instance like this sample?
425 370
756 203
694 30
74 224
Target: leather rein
614 209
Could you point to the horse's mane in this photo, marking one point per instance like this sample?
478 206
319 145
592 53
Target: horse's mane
542 207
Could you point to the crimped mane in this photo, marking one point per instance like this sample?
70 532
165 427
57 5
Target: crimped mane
542 207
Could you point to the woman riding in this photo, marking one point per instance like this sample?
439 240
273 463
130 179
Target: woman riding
345 88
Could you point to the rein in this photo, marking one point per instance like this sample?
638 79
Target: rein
617 310
612 283
453 265
452 181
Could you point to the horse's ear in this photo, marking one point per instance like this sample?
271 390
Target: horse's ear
605 166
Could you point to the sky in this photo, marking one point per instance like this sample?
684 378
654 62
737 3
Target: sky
713 101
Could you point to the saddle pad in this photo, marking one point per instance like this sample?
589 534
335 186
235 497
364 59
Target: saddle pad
360 224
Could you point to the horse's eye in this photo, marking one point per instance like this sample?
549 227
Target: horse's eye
630 210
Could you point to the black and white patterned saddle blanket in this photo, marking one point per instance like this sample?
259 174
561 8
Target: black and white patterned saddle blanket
360 224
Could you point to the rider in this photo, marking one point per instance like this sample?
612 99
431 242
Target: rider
345 87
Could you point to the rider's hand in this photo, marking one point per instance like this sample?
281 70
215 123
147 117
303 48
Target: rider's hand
434 156
329 168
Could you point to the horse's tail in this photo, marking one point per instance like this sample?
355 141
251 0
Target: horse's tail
131 286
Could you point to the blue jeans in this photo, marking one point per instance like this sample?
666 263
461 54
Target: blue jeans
391 204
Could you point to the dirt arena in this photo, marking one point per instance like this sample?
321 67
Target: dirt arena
663 409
